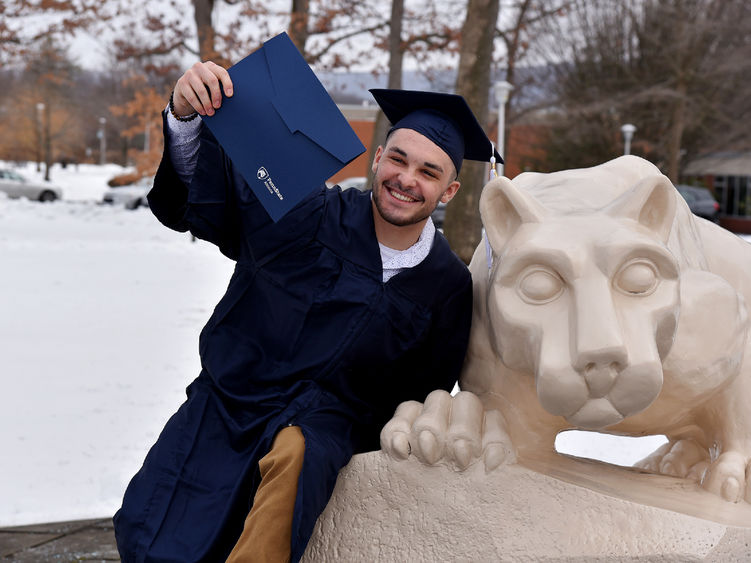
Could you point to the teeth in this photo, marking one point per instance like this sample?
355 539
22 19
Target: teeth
401 197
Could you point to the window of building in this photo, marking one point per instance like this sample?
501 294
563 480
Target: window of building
734 195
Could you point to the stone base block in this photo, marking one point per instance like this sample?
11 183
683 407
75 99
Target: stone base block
384 510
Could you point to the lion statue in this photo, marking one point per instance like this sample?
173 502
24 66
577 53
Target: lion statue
600 303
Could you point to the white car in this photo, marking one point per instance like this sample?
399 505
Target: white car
131 196
15 185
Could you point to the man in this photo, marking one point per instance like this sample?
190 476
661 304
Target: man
347 306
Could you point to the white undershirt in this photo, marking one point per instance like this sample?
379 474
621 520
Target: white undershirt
183 144
394 261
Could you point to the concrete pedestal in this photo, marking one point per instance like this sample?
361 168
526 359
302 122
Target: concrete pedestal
384 510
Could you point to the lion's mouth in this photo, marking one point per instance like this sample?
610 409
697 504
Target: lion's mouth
595 414
599 397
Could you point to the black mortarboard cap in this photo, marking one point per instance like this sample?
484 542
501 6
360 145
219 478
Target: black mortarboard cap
445 119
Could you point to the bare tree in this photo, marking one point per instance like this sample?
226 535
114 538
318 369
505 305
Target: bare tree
52 75
203 11
677 69
496 36
462 224
141 119
298 23
396 57
522 25
24 24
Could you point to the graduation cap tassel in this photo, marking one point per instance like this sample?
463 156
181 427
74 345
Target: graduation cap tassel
488 252
493 175
493 171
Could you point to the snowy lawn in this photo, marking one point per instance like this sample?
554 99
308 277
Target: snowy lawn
100 312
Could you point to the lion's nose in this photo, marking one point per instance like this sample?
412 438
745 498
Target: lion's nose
598 349
600 378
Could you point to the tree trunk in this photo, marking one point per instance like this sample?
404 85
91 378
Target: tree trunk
47 141
298 24
40 138
513 44
205 28
462 225
396 56
675 134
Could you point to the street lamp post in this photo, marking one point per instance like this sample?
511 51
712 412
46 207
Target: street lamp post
628 131
501 90
102 139
40 131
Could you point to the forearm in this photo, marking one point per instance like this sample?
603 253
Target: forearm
182 141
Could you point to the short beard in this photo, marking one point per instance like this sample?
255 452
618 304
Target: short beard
396 221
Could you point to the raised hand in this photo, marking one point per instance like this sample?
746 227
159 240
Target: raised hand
200 89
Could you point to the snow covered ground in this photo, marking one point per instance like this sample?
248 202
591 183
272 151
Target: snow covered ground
100 311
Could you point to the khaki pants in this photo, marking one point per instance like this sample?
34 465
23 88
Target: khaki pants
267 534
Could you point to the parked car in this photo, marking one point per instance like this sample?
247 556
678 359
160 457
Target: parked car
15 185
131 196
700 201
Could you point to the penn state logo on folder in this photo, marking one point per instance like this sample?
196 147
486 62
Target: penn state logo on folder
281 129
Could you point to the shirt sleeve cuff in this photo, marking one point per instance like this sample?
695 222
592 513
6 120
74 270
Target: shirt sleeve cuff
182 129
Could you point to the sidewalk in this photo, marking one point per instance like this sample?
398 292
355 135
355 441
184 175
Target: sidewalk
62 542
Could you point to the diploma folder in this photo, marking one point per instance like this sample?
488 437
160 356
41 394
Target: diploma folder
281 129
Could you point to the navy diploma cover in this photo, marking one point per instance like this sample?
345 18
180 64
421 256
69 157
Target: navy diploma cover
281 129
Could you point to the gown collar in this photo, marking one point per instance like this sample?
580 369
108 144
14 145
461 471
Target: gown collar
349 230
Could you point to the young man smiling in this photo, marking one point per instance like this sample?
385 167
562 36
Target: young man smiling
335 314
411 175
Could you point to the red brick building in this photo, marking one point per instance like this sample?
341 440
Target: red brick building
362 120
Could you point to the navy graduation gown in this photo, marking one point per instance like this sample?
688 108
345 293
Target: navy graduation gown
306 334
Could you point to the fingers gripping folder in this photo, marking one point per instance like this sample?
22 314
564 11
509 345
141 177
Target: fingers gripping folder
281 129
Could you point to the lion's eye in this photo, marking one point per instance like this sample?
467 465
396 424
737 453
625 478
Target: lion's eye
637 278
540 286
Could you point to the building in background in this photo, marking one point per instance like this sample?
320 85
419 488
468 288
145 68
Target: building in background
728 177
362 119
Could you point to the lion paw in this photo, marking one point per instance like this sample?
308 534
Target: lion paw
729 476
453 430
678 458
